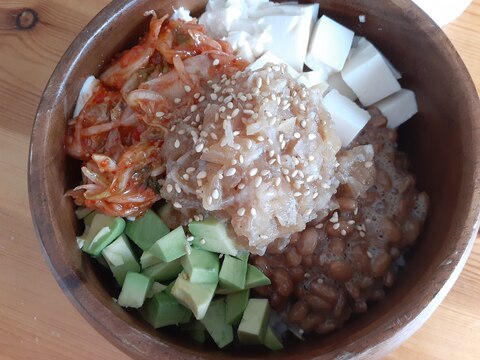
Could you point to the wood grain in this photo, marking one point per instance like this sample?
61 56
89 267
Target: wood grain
36 320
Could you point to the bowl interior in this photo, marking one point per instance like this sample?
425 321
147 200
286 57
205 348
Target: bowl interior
439 140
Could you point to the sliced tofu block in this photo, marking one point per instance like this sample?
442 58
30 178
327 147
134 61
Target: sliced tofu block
290 8
348 117
86 92
292 30
312 78
336 82
368 75
270 57
398 108
329 45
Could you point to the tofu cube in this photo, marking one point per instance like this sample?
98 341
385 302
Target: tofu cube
336 82
270 57
349 118
329 45
398 108
368 75
312 78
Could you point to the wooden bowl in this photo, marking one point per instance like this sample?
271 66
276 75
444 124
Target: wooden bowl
442 141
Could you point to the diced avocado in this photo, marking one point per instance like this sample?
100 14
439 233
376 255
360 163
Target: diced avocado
171 246
148 259
243 255
253 325
233 273
163 310
255 278
214 322
120 258
271 340
214 235
82 212
236 304
134 290
145 230
196 330
155 289
196 297
102 231
201 266
164 271
225 291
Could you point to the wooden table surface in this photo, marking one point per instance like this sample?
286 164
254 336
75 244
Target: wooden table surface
36 319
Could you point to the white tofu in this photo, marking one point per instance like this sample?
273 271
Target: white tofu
86 93
336 82
398 108
270 57
289 8
181 14
349 118
290 34
368 75
329 44
312 78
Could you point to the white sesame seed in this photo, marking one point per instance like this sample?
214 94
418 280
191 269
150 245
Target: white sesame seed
215 194
241 211
199 148
280 137
202 241
236 132
230 172
253 172
235 112
302 107
286 106
176 144
169 188
249 144
241 186
241 160
297 135
294 173
259 82
297 194
199 183
272 161
172 129
196 95
265 172
311 158
233 162
309 178
260 138
315 195
222 109
319 226
248 112
177 188
193 108
159 114
258 181
177 100
277 181
177 205
263 237
336 226
213 96
362 234
288 178
230 105
253 211
237 146
368 164
303 124
295 161
214 136
343 232
285 171
271 153
351 222
202 98
202 175
186 177
187 88
311 136
215 62
270 141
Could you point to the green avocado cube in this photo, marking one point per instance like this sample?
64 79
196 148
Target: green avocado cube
236 304
243 255
82 212
201 266
271 340
120 258
233 273
195 296
253 325
155 289
101 232
134 290
214 235
171 246
147 259
196 330
163 310
145 230
215 323
164 271
255 278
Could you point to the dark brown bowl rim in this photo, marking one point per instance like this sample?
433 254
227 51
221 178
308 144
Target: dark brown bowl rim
100 317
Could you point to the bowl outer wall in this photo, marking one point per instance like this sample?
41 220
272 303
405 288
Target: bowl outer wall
48 182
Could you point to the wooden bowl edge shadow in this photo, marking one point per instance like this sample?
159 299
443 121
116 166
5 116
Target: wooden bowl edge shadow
69 280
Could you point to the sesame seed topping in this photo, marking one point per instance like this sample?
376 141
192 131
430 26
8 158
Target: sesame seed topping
253 211
214 136
277 181
187 88
249 144
294 173
297 135
302 107
362 234
202 175
169 188
235 112
193 108
196 95
272 161
202 98
202 241
311 158
241 160
311 136
199 148
215 194
315 195
237 147
230 172
241 186
233 162
176 144
186 177
258 181
297 194
230 105
215 62
265 172
253 172
241 211
260 138
209 200
213 96
263 237
159 114
303 124
295 161
368 164
319 226
177 100
177 188
343 232
177 205
280 137
309 178
336 226
271 153
270 141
